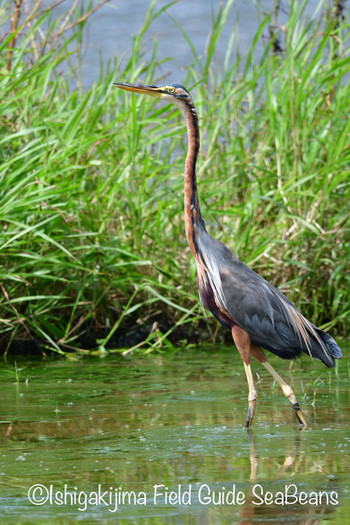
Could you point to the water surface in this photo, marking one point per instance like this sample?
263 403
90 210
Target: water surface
118 425
111 29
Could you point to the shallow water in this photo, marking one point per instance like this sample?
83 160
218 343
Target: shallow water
101 428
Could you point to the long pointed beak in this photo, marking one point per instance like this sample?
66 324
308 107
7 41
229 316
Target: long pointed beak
153 91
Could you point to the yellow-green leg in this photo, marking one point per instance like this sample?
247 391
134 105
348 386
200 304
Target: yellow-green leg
243 343
286 389
252 396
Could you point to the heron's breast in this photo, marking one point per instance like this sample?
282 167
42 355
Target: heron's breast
210 302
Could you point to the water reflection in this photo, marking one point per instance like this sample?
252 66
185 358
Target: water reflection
176 420
300 506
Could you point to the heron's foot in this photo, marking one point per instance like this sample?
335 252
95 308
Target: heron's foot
288 392
286 389
299 414
252 399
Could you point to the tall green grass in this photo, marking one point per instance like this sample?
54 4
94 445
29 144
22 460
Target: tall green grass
92 245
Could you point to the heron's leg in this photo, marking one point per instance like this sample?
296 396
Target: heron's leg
252 396
287 391
243 343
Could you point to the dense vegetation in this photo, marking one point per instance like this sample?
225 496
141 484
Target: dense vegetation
92 242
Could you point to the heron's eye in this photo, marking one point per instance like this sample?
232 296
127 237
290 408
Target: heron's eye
171 90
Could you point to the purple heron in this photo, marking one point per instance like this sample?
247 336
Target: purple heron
258 314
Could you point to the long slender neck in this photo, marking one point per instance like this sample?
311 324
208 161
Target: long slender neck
193 217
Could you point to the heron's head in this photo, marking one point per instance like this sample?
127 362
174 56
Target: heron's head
174 93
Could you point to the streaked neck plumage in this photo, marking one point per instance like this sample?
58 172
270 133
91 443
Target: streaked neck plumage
193 217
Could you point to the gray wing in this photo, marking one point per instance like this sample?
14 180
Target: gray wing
265 313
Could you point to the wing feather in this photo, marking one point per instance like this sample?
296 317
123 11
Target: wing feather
264 312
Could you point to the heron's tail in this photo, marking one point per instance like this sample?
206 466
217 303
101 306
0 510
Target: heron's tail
328 351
